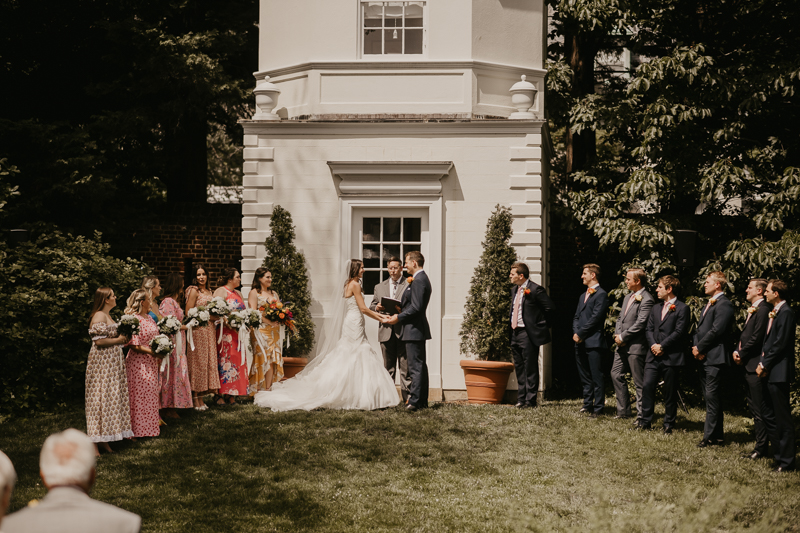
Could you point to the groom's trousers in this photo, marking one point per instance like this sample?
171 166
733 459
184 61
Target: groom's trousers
418 373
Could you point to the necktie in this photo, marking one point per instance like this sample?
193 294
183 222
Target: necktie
707 306
517 302
585 298
394 289
630 302
769 326
665 310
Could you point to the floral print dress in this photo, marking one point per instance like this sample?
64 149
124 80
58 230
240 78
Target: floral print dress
270 336
176 392
202 360
143 385
233 377
108 413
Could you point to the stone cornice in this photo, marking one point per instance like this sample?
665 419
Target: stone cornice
388 178
376 127
396 65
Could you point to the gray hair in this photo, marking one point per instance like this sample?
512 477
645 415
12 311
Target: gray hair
67 458
8 476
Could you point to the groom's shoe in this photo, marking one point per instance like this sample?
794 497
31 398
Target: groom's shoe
410 408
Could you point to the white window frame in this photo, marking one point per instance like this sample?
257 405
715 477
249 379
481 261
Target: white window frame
403 213
403 55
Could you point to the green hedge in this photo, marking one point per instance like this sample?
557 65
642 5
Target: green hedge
47 288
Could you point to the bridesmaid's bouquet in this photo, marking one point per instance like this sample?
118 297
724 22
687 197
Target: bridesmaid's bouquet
254 319
237 319
169 325
197 317
128 326
162 346
218 306
280 313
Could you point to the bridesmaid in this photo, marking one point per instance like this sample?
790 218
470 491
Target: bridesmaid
176 392
267 367
142 369
232 373
153 288
203 373
108 414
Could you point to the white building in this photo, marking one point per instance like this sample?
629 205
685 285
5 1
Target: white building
393 136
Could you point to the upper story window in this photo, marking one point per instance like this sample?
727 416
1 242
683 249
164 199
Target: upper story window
393 27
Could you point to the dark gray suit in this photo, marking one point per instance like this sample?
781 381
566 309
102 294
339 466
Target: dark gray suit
630 356
70 510
414 331
751 344
393 350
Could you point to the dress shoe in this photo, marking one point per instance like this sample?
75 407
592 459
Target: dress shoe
584 410
667 430
521 405
705 443
754 455
781 469
411 408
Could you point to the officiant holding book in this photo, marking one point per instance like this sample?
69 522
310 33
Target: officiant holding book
393 350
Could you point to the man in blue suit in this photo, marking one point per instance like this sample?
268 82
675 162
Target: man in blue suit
711 346
415 330
777 368
590 342
666 331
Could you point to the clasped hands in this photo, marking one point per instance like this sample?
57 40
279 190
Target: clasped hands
697 355
390 320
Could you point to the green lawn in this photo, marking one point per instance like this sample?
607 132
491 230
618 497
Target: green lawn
449 468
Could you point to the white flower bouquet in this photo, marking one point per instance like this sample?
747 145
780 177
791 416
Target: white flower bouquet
161 346
218 306
197 317
169 325
254 318
237 319
128 326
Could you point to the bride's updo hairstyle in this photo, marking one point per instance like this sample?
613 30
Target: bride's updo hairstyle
226 275
352 273
135 300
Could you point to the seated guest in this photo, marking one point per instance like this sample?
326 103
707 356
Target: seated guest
7 479
66 465
666 334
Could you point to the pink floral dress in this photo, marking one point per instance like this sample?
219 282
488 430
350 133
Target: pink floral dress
143 386
176 392
233 377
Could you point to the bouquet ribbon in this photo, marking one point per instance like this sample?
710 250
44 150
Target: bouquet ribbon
284 336
259 339
189 333
221 323
243 333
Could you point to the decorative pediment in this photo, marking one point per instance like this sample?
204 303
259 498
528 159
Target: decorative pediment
390 178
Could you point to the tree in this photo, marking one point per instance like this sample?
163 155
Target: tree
290 278
484 330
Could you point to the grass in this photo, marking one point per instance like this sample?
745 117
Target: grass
449 468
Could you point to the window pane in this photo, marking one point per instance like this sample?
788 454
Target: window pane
412 230
391 229
393 42
414 11
393 23
371 255
371 278
373 14
372 42
372 229
413 41
389 251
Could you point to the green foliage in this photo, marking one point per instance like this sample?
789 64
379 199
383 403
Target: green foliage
484 330
6 191
48 287
290 278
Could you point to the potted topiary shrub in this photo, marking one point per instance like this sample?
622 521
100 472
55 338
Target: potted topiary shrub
290 281
484 330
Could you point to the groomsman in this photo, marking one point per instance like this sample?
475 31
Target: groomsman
777 369
590 342
713 332
630 341
531 311
392 349
748 353
666 331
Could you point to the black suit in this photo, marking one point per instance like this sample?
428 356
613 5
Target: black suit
670 333
414 332
535 311
778 361
750 348
713 334
588 325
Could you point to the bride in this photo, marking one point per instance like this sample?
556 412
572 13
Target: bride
348 373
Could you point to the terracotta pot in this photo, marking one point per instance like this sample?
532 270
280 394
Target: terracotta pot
486 380
292 366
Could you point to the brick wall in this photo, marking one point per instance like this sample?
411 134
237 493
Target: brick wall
189 234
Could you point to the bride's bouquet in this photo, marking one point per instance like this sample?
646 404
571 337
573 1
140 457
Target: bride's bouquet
161 346
218 306
128 326
169 325
195 318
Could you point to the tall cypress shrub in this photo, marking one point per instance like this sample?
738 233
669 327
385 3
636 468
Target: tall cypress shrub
290 278
484 331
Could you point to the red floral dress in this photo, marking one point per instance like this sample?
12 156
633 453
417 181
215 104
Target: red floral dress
143 385
233 377
175 389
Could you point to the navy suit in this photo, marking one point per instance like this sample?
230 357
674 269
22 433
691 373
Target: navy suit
536 310
670 333
712 338
778 361
588 325
751 346
414 332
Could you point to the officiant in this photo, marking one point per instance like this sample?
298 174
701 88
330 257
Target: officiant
394 352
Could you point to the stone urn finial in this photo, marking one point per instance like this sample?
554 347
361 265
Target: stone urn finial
266 100
522 97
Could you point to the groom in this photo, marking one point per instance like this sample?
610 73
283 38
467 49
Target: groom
415 330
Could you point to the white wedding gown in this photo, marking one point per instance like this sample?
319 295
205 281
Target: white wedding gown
351 376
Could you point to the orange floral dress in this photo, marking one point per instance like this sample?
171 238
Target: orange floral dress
108 413
203 372
270 336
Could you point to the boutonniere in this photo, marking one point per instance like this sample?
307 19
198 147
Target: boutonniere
409 279
773 314
638 297
713 302
526 290
751 310
672 308
591 291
